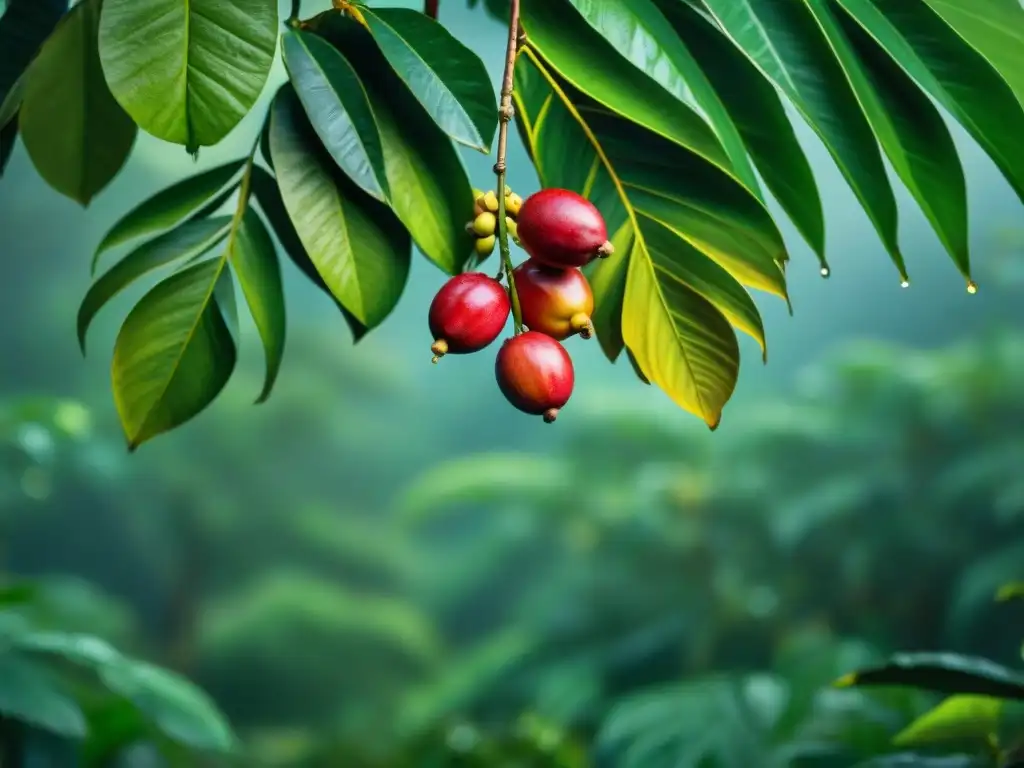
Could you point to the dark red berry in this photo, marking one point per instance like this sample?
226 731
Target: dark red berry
560 228
467 314
535 374
556 302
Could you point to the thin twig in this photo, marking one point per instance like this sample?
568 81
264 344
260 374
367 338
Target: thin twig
505 115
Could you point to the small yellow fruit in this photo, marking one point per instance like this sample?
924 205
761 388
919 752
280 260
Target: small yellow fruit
485 245
513 203
485 224
510 226
491 202
508 190
478 202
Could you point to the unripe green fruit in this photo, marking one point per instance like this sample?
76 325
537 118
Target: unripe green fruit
484 245
485 224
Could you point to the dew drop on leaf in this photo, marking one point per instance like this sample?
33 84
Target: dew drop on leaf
972 287
826 272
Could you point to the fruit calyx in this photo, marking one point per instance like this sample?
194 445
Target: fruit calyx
467 314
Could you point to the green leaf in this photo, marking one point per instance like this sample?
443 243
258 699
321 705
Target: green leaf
1011 591
995 28
909 128
942 673
607 279
446 77
191 239
168 207
953 74
77 136
781 38
641 34
188 72
337 108
173 355
914 760
430 191
357 245
17 593
8 138
254 259
177 707
268 196
958 717
24 25
30 694
761 118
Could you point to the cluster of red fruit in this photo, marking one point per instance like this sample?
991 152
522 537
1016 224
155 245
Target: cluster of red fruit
561 232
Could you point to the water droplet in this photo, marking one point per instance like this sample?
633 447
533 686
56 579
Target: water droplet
825 272
972 287
905 284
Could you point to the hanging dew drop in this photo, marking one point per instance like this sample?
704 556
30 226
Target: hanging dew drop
972 287
905 284
826 272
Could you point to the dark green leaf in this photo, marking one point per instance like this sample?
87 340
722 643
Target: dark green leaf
337 107
188 72
77 136
179 709
114 725
909 128
759 115
174 354
268 196
24 25
636 368
29 694
191 239
17 593
952 73
913 760
446 77
942 673
608 282
430 191
357 245
8 138
781 38
255 263
168 207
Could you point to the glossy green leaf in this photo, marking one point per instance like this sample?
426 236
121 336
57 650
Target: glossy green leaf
338 109
168 207
956 718
179 709
188 72
8 138
24 25
642 35
447 78
995 28
254 260
607 279
268 196
77 136
360 249
187 241
910 129
31 695
173 355
952 73
781 38
430 191
942 673
757 110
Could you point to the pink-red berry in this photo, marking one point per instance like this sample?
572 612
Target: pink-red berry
467 314
556 302
535 374
560 228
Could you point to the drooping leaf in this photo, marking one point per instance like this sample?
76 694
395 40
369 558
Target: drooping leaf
909 128
24 25
641 34
254 260
8 138
430 191
446 77
173 355
757 110
168 207
781 38
30 694
952 73
188 72
942 673
268 196
189 240
607 279
956 718
76 135
360 249
338 109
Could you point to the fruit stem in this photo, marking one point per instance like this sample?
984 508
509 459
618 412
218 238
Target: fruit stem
505 115
296 11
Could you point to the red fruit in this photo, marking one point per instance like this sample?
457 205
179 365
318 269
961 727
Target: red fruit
467 314
556 302
535 374
559 228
